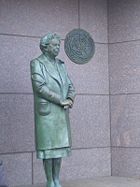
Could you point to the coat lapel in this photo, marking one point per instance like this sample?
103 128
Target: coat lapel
50 69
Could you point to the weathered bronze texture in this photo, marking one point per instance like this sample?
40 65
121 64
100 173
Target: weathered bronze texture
79 46
54 94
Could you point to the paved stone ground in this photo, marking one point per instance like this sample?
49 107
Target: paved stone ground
99 182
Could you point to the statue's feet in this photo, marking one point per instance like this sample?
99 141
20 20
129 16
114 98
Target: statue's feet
50 184
57 183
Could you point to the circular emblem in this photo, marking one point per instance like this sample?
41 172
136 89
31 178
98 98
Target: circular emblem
79 46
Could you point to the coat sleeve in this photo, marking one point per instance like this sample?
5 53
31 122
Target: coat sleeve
39 84
71 90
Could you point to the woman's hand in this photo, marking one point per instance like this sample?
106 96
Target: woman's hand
67 103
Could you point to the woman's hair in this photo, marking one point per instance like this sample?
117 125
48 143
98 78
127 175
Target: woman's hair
45 40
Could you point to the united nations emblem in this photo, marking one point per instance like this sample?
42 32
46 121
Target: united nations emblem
79 46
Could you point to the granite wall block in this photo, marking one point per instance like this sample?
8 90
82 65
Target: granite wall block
126 162
124 22
36 18
15 56
125 118
93 18
124 67
18 168
90 122
16 123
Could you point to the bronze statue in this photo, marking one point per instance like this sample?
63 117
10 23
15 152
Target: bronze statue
53 96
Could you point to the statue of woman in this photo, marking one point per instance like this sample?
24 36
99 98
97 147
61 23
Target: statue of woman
53 96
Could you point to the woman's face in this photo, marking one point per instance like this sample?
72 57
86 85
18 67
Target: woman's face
54 47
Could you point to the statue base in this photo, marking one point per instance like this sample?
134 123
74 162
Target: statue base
99 182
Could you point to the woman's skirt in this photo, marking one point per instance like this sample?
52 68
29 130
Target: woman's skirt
54 153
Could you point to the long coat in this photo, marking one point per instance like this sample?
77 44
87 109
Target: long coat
51 86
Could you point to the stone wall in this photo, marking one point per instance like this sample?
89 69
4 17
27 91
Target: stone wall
124 68
21 25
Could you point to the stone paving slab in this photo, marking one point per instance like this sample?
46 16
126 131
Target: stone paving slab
99 182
